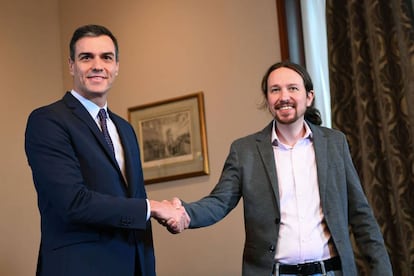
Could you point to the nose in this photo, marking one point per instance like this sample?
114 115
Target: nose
96 69
97 65
284 94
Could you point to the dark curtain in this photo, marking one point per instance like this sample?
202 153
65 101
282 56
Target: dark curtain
371 67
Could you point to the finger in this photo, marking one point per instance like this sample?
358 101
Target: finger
174 229
176 202
166 202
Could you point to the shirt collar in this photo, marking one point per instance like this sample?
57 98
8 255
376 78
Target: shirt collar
92 108
275 139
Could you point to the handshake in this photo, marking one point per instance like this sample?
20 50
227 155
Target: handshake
171 214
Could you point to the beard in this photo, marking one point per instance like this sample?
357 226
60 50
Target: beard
285 120
285 112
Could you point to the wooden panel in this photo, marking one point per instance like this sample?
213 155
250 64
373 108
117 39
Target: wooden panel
290 30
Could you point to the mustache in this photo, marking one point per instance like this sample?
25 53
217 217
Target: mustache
284 103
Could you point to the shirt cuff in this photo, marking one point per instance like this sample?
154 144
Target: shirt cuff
148 210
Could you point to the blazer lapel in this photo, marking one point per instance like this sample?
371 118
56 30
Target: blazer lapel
320 145
124 136
80 111
265 149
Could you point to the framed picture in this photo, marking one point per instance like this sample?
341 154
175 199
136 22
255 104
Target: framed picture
172 138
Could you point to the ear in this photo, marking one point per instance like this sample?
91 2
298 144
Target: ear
310 95
117 68
71 65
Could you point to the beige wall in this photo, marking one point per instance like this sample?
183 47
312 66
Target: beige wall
30 75
168 49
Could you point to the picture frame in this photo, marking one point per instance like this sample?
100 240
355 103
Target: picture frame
172 138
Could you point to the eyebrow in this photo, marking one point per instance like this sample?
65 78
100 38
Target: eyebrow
91 54
289 84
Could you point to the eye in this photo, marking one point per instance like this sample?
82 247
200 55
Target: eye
274 89
85 57
293 89
108 57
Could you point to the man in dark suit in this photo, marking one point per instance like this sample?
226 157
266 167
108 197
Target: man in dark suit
301 193
85 160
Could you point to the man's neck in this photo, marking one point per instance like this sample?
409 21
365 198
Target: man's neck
99 100
289 134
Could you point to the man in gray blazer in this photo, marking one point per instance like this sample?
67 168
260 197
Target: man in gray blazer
300 190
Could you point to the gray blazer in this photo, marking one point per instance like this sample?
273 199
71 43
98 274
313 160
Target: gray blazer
249 173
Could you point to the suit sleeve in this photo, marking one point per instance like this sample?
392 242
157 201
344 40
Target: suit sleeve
74 183
223 198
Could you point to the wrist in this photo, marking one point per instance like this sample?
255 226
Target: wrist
154 207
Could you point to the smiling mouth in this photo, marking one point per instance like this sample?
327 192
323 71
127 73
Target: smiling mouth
284 107
97 77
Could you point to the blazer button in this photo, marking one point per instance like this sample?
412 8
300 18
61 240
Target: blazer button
272 248
277 220
126 221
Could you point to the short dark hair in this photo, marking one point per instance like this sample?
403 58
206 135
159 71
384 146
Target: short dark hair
91 31
312 114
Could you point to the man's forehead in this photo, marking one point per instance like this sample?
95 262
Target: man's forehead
95 45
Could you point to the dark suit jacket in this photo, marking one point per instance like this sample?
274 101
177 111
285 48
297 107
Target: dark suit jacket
249 172
92 222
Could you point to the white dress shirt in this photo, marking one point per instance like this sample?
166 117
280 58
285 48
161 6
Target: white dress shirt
303 234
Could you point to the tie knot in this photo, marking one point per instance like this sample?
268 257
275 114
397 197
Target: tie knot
102 114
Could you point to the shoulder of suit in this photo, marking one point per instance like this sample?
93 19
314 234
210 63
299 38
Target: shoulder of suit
325 131
54 107
259 136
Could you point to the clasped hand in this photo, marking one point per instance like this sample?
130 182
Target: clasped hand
170 214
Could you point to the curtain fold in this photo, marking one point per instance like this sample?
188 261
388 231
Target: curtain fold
371 68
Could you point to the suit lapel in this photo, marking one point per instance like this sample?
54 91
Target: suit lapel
80 111
320 144
266 152
124 136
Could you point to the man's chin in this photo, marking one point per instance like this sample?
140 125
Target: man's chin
97 92
285 121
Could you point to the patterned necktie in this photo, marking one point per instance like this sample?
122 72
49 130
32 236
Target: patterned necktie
102 119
